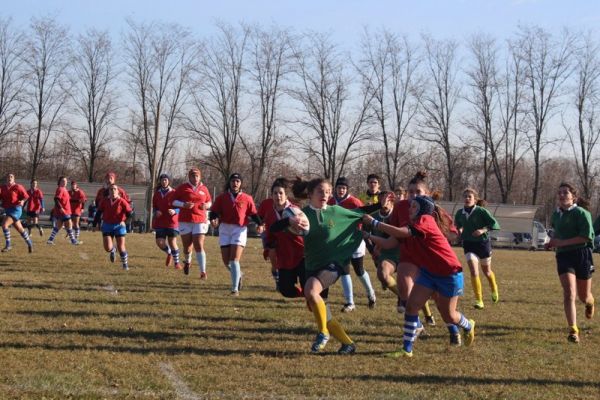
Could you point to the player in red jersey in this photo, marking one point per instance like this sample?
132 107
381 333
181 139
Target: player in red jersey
427 246
13 198
343 198
269 254
165 222
113 211
62 212
104 192
230 212
34 207
193 199
77 200
288 248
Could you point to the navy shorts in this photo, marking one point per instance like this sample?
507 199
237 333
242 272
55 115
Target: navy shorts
33 214
578 262
480 249
163 233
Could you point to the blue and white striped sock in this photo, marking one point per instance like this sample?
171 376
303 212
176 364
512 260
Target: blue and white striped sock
53 234
346 281
77 231
175 254
71 235
25 236
201 258
6 237
411 323
124 259
464 323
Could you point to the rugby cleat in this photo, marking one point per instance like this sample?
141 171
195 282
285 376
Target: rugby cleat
348 307
399 354
478 304
347 349
319 343
470 334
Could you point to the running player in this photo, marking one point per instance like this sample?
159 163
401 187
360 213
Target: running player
110 179
35 206
343 198
13 196
62 212
77 200
113 211
474 223
193 199
269 254
573 240
230 212
165 222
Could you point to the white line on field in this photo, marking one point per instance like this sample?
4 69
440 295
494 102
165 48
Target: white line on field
83 255
181 389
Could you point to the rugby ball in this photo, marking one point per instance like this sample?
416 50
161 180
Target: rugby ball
295 212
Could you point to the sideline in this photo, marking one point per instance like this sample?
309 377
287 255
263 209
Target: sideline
181 389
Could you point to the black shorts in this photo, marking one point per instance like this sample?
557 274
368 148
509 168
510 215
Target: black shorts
289 277
33 214
163 233
578 262
332 267
480 249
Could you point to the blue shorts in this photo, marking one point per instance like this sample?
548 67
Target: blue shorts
65 217
162 233
116 230
447 286
14 212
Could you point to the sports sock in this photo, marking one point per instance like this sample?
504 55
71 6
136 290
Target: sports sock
366 282
464 323
426 309
53 234
25 236
166 249
452 328
574 329
476 283
392 285
236 272
71 235
6 237
411 322
492 281
319 310
77 231
338 332
347 288
175 254
124 258
187 257
201 258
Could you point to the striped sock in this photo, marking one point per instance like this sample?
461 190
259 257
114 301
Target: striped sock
347 288
124 259
71 235
53 234
77 231
175 254
6 237
464 323
411 322
25 236
201 259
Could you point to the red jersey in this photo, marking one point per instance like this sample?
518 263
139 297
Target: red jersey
234 210
162 201
198 195
36 197
62 201
78 199
103 193
430 249
12 195
265 207
289 248
114 211
349 202
399 216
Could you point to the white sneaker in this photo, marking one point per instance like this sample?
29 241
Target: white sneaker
349 307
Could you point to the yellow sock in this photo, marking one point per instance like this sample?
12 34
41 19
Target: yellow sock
476 282
426 310
492 281
392 285
574 329
338 332
319 310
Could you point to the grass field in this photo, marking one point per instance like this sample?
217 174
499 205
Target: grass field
72 325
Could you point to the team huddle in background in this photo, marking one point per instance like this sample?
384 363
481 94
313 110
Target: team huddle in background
311 247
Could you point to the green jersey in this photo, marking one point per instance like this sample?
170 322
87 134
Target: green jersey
574 222
333 236
478 218
392 254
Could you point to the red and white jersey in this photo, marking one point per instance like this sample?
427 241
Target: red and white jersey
62 201
34 204
289 248
78 199
12 195
104 193
349 202
234 210
199 195
162 201
430 249
114 211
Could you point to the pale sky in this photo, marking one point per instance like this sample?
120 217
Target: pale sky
345 19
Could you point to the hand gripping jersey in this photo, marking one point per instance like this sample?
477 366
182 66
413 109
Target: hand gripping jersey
198 195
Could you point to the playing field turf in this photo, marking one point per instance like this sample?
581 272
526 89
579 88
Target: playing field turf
72 325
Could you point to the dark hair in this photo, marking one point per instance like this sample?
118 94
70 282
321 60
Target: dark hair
373 176
60 178
233 176
419 178
581 202
442 220
33 180
302 189
280 182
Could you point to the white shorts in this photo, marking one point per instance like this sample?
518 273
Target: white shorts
232 234
360 251
185 228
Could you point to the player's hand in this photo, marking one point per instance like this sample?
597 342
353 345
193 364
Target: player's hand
214 223
367 219
479 232
158 214
188 204
260 229
171 212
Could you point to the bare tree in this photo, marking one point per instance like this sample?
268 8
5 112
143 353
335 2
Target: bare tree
438 102
159 59
216 116
270 61
584 137
47 59
332 121
391 64
93 96
11 79
547 68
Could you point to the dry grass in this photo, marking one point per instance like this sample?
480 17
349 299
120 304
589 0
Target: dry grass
74 326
